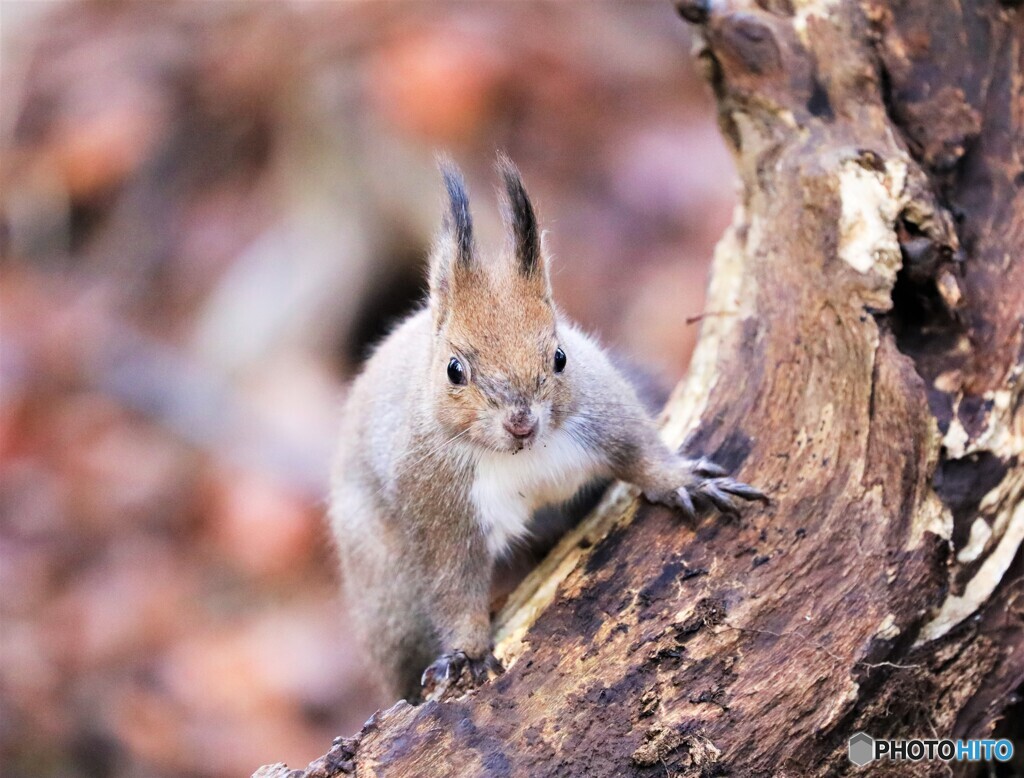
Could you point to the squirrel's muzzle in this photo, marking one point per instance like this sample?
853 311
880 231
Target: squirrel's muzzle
521 424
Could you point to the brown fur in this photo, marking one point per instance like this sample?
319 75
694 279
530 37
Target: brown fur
430 487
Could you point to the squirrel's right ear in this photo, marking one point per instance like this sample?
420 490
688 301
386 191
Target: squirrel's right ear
454 252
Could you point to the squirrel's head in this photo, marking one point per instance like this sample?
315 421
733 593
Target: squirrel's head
500 376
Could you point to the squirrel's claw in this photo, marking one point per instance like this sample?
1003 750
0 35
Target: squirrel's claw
708 469
741 490
709 486
677 499
709 491
685 504
722 493
457 672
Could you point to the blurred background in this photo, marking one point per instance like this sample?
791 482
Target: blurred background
209 211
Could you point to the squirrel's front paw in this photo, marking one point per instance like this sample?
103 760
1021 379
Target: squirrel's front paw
709 485
457 672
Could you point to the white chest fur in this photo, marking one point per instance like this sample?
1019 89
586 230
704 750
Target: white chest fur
508 488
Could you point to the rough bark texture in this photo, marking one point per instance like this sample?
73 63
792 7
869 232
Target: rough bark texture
863 366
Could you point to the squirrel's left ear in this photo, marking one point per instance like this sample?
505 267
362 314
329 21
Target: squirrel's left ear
521 221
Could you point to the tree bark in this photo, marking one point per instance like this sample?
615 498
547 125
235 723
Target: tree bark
864 366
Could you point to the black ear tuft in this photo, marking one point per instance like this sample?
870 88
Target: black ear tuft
458 224
522 220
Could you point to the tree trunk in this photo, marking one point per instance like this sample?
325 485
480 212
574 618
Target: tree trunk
861 362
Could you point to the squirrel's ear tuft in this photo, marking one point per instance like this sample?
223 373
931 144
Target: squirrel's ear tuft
454 252
457 226
520 220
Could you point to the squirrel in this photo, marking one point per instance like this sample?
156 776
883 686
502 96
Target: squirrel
477 410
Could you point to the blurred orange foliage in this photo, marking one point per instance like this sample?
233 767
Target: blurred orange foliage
209 212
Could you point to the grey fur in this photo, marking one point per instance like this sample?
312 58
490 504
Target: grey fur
417 554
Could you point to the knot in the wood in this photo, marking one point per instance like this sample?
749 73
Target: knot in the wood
750 42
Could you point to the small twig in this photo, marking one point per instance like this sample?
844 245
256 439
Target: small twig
705 314
819 647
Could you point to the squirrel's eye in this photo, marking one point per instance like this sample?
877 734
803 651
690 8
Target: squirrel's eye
559 360
456 374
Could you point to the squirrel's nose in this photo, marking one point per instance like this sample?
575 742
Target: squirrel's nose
521 425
